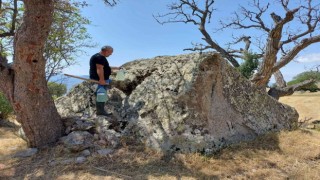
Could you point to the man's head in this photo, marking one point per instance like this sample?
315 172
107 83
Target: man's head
106 51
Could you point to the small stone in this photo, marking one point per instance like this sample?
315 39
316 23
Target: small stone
52 163
68 130
81 159
26 153
67 161
86 153
102 142
197 132
78 141
96 136
104 152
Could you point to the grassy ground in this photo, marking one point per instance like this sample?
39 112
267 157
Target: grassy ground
284 155
307 104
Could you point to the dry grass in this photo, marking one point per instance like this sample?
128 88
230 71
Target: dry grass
9 143
307 104
284 155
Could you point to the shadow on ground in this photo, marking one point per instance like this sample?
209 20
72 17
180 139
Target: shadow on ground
135 162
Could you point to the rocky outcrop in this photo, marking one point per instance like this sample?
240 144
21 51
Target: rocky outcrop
187 103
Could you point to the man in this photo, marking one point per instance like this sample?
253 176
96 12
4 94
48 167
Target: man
100 70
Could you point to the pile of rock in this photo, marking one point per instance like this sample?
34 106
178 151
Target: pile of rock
93 134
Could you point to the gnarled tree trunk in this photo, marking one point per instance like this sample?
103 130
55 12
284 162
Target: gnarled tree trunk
31 100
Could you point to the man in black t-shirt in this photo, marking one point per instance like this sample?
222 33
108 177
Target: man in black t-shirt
100 70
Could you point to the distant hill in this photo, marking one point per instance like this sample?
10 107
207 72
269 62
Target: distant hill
70 82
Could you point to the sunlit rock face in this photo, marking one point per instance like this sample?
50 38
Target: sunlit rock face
186 103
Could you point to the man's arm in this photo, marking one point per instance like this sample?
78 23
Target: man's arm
100 73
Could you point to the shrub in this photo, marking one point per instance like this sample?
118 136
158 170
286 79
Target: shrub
56 90
251 62
306 76
5 107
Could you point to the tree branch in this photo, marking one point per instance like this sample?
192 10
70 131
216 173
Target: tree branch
11 32
295 50
281 83
111 2
289 90
179 14
273 47
253 17
311 21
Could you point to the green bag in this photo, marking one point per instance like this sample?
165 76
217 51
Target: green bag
102 95
121 75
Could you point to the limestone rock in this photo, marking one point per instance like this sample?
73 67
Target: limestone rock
86 153
187 103
104 152
80 160
77 141
26 153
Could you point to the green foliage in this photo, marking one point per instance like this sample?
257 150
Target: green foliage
67 37
5 107
251 62
306 76
56 90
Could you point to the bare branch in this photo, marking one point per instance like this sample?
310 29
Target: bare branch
111 2
285 4
310 20
197 16
253 17
289 90
245 39
294 51
198 47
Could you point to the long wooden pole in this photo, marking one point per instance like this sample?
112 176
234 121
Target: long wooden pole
78 77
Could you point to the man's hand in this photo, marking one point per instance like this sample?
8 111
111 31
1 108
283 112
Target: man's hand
102 82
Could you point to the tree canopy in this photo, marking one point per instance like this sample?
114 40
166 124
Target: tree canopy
68 35
314 75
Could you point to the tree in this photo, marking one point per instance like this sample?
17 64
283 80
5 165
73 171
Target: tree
56 90
315 75
24 83
67 37
250 64
281 41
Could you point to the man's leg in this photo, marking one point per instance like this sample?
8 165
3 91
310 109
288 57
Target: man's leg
101 100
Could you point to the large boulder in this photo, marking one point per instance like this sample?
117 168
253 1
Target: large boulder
189 103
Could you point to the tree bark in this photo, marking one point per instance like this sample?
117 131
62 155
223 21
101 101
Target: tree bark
272 49
278 92
6 78
31 100
281 83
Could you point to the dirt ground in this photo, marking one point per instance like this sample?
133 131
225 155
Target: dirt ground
283 155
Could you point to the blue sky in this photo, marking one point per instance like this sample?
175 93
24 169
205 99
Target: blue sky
133 32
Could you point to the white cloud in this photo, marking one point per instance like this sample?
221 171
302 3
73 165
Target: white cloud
308 58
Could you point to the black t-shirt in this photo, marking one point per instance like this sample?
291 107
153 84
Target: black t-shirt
99 59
